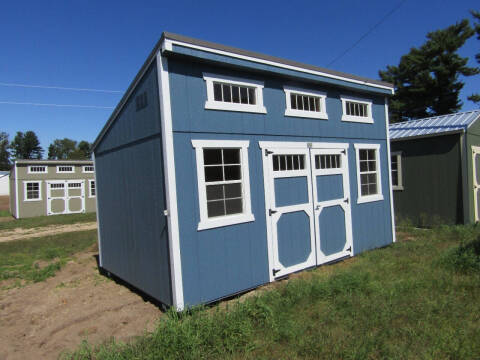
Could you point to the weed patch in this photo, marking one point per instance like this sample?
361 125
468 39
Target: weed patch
39 221
464 258
26 261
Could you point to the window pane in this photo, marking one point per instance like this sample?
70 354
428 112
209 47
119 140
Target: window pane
213 173
233 206
233 190
371 154
394 178
233 172
363 179
283 163
372 178
363 166
214 192
227 97
217 92
363 154
243 95
372 189
305 102
293 101
231 156
312 103
276 161
372 166
299 102
364 190
235 94
215 208
289 162
212 156
296 163
252 100
302 162
317 104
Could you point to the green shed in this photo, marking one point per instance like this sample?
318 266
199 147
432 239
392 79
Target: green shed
436 169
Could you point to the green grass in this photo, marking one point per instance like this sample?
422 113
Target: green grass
34 260
405 301
5 213
48 220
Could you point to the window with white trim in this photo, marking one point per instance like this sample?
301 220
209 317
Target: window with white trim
396 163
65 169
368 173
234 94
88 169
32 190
356 110
223 182
302 103
92 189
36 169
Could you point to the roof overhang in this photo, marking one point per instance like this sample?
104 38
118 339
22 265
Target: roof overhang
415 137
52 162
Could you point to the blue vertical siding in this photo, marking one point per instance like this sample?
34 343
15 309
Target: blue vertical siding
131 196
329 187
291 191
222 261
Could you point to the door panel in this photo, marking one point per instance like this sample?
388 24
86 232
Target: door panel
75 205
57 206
329 187
333 236
65 197
294 246
291 191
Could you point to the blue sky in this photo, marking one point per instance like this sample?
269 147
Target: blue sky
102 44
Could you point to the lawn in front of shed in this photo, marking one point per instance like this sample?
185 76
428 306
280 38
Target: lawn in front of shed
418 298
40 221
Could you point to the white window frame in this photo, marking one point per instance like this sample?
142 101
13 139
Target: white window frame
398 155
246 216
39 182
65 172
368 198
352 118
211 104
322 114
90 188
88 172
45 171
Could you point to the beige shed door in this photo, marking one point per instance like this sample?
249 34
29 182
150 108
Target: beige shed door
476 180
65 197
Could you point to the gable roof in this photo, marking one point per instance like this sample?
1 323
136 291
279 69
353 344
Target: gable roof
434 126
253 56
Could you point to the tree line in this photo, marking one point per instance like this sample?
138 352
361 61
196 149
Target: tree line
27 146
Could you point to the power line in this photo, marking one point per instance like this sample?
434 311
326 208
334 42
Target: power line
56 105
58 88
367 33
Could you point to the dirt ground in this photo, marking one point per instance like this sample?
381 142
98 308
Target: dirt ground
41 320
4 203
19 233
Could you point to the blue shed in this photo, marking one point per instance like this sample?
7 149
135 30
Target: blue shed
223 169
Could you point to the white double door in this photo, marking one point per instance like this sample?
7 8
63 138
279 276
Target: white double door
307 196
65 197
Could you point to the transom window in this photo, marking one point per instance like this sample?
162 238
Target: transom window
233 94
223 182
356 110
288 162
328 161
74 185
88 169
32 191
303 103
396 163
57 186
35 169
64 169
92 188
368 172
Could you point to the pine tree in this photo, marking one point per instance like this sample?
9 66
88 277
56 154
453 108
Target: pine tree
427 78
476 15
26 146
4 153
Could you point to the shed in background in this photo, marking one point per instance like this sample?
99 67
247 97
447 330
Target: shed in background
4 183
436 169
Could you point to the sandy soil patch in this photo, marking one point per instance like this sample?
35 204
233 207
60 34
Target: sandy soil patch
4 202
41 320
20 233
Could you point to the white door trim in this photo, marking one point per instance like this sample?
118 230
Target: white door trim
476 185
66 197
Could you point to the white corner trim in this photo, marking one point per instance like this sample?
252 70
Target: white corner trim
352 118
168 45
170 182
25 182
211 104
369 198
17 200
246 215
392 212
322 114
100 257
65 172
29 169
